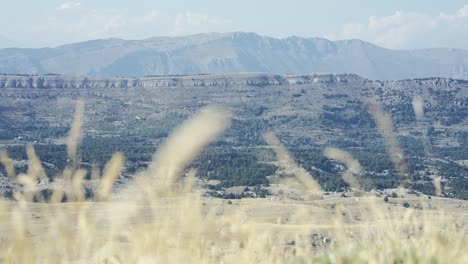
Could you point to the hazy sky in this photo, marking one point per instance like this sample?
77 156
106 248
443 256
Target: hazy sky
403 24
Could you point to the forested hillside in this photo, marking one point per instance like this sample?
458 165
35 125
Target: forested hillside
308 113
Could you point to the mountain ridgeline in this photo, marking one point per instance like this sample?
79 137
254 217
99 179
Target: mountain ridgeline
217 53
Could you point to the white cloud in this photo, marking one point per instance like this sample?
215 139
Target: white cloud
189 23
68 27
69 5
411 30
95 25
152 15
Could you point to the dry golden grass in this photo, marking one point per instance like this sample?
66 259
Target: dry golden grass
163 218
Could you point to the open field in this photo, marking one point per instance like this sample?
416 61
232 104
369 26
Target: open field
164 216
119 232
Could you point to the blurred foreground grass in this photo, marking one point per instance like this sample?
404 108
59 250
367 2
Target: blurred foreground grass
163 218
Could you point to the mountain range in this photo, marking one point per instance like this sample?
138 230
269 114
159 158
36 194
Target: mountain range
234 52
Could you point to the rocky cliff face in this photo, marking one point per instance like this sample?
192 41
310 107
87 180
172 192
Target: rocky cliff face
222 80
246 79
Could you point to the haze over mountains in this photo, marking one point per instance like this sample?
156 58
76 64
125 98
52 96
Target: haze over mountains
234 52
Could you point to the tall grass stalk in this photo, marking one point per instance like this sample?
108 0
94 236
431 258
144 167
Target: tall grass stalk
162 217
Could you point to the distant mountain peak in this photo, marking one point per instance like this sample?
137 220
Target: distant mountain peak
234 52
